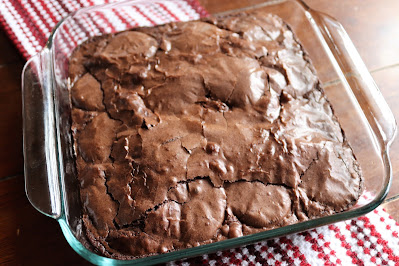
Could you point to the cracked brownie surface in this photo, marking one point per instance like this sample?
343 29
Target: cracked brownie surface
194 132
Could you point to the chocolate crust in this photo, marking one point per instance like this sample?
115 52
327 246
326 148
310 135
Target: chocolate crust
194 132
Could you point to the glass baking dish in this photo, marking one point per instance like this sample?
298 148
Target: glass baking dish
50 178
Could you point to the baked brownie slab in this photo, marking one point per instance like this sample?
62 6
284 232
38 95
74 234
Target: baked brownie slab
194 132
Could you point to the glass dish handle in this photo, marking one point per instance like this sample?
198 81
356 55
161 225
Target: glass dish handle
40 154
355 76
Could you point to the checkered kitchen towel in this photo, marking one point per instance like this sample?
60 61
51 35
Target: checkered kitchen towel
29 23
369 240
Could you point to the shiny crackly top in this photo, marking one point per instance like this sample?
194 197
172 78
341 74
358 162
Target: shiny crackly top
195 132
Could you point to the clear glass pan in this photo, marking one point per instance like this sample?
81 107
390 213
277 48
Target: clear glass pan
50 178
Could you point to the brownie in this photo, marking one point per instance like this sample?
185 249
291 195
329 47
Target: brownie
194 132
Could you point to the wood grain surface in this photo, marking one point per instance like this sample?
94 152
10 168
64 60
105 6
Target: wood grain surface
30 238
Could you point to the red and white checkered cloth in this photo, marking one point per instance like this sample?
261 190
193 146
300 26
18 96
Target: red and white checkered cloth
372 239
29 23
369 240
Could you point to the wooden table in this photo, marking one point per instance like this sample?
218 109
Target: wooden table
28 237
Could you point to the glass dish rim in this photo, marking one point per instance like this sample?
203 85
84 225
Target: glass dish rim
229 243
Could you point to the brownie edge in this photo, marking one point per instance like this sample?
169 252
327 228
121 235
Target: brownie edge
194 132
